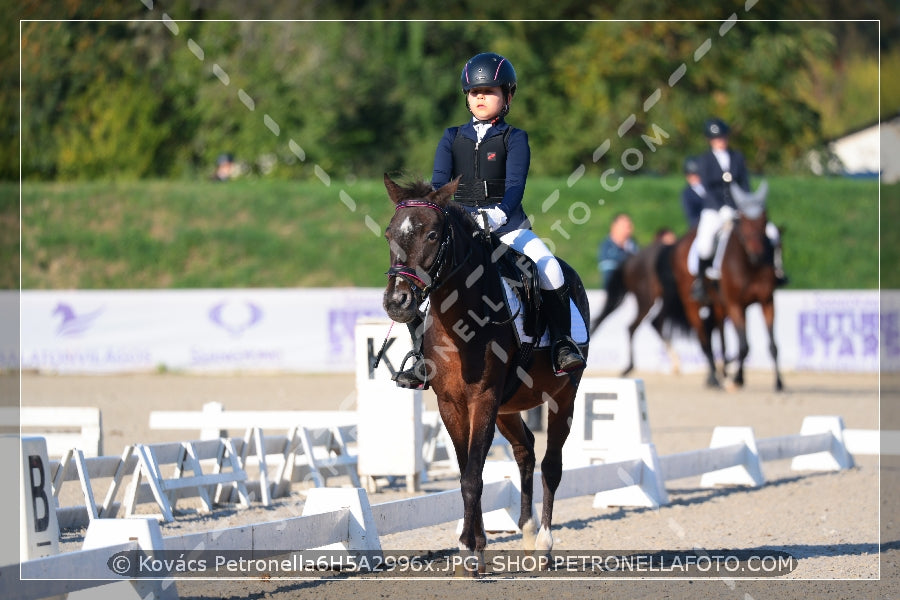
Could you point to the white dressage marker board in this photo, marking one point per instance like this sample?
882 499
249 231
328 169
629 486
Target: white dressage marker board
610 421
389 432
39 530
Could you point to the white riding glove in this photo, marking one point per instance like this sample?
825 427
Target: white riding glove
727 214
495 216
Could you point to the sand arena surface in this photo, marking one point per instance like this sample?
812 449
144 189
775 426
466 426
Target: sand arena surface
828 521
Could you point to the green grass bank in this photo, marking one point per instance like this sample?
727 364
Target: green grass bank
261 233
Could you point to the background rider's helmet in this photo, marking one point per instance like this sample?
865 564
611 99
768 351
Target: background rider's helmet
691 166
715 128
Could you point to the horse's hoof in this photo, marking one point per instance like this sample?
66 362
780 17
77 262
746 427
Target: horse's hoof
470 565
466 571
713 383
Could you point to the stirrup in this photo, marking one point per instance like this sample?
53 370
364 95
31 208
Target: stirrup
408 378
698 290
572 360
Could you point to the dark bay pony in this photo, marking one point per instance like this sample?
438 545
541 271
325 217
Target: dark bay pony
643 274
748 277
438 251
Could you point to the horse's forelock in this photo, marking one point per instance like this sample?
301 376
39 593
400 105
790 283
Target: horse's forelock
406 189
417 189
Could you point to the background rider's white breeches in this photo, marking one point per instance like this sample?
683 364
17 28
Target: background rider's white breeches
528 243
773 234
709 224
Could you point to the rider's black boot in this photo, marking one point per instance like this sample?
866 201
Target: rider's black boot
781 279
564 352
698 287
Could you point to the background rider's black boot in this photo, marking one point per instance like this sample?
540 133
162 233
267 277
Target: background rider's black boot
564 351
414 377
698 287
781 279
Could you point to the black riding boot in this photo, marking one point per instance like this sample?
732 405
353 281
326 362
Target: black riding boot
698 288
414 377
781 279
564 352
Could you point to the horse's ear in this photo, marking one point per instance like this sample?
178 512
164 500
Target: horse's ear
443 196
395 193
752 204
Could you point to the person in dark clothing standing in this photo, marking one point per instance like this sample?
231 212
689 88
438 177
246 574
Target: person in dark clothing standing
617 246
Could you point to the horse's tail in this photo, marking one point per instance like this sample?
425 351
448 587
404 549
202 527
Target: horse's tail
615 294
672 312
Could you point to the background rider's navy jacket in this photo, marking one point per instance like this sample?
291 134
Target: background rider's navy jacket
518 159
715 181
692 203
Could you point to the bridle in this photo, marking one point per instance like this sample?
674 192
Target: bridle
422 284
743 238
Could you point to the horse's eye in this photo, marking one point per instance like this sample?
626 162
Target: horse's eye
432 236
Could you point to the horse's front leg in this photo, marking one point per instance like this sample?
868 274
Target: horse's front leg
520 437
705 337
738 319
482 417
558 425
769 315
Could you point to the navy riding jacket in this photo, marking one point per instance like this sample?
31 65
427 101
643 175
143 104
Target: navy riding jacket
513 171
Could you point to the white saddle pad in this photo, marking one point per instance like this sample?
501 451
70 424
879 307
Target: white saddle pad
579 327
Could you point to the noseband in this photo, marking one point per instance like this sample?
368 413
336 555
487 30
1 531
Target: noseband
423 286
745 240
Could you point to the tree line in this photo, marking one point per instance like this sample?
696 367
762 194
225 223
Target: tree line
133 92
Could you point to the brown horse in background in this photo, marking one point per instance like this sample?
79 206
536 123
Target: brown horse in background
647 275
747 277
438 252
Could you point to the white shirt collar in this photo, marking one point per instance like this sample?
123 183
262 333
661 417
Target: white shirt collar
723 158
480 128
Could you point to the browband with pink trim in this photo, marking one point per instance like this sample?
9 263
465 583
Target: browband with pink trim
417 204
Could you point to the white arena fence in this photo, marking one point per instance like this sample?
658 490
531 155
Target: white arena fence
215 470
255 330
343 517
256 467
71 427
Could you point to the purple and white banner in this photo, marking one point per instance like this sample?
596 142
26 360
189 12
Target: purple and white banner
193 330
312 330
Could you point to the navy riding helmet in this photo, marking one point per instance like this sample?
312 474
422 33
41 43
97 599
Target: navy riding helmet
691 166
715 128
489 70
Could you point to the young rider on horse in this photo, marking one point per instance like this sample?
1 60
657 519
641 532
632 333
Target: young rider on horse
492 158
718 168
